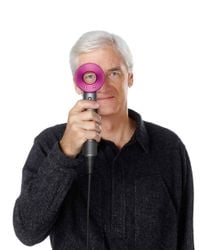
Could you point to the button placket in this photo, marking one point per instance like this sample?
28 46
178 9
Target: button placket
118 200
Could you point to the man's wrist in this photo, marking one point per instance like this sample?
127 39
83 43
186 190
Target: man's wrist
66 150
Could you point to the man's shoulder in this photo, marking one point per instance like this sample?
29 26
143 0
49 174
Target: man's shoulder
163 136
156 135
159 130
52 133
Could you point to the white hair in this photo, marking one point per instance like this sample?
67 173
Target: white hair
92 40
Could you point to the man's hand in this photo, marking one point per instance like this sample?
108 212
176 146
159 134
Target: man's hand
83 124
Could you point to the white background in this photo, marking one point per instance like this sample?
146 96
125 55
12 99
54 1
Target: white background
169 41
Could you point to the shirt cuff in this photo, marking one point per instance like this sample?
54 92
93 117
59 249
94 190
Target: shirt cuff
64 163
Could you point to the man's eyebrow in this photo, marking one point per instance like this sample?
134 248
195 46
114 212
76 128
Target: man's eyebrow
114 69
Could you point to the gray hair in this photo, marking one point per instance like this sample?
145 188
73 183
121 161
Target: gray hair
92 40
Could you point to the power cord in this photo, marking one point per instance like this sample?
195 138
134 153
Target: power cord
90 163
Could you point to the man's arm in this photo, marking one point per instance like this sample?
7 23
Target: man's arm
185 232
47 177
49 171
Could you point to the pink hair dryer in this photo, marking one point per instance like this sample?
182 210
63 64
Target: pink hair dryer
89 78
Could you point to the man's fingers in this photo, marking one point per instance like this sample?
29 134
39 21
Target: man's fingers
87 115
93 135
82 105
83 124
90 126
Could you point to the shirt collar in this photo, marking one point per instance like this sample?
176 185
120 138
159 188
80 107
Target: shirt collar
141 134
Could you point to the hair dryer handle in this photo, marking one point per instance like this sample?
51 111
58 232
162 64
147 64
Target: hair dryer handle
90 146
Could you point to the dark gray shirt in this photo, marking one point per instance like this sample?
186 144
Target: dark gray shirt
141 195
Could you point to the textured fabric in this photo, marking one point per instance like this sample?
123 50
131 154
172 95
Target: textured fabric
141 195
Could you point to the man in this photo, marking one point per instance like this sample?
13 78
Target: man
142 189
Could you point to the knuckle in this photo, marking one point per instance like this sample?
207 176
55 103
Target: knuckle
98 138
78 103
94 134
98 118
91 114
95 125
81 103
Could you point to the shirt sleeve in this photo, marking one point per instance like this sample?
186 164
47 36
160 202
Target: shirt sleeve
46 179
185 232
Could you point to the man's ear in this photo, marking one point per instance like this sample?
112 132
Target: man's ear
130 79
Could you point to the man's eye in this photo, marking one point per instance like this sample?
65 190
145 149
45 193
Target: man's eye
115 73
89 77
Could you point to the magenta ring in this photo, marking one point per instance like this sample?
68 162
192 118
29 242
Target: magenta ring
89 67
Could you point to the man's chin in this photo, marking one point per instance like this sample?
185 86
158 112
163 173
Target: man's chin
105 111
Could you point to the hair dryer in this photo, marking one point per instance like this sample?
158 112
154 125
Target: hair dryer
89 77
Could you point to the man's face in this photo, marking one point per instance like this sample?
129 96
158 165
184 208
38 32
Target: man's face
112 97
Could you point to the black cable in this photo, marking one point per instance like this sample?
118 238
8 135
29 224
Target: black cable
90 151
88 210
90 162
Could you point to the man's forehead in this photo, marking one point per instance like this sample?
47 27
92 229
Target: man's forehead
103 52
107 58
